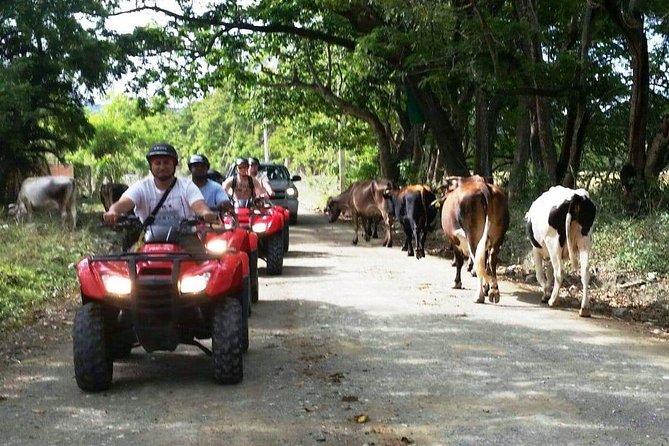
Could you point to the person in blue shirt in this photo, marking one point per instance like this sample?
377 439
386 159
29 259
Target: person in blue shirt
213 192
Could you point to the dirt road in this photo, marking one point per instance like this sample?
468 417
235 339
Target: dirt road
363 345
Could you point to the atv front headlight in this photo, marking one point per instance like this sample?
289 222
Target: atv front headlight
217 246
194 284
261 226
117 285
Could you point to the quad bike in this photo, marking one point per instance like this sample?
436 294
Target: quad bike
270 223
233 237
171 290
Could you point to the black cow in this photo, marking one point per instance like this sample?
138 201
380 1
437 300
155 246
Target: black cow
110 193
414 209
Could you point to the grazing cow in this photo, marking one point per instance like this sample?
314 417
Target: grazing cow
44 192
559 225
474 218
414 209
110 193
364 200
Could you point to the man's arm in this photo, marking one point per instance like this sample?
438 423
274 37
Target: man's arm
123 205
201 208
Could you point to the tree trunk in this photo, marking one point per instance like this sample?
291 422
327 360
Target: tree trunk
487 113
521 154
578 114
658 152
632 26
532 48
451 155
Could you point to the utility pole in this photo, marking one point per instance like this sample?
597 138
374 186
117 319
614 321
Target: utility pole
265 143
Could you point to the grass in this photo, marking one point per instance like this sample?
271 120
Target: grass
38 261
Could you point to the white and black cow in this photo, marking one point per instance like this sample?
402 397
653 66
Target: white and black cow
47 192
559 226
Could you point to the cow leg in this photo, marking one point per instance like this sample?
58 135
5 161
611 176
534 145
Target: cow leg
493 295
387 221
408 240
420 243
367 228
459 261
356 226
585 280
539 272
556 262
415 238
375 227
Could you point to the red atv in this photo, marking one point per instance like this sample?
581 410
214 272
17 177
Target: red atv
233 237
170 291
270 223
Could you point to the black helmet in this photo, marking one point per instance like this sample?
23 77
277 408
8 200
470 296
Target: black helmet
162 149
253 160
194 159
241 162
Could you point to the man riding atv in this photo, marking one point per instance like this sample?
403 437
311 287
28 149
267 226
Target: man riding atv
184 199
242 187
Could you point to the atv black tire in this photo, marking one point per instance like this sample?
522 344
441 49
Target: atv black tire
245 297
286 237
120 349
274 254
226 342
93 362
253 266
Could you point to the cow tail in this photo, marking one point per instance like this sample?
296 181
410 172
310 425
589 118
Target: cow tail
481 248
570 241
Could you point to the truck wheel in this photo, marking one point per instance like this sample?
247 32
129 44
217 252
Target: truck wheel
93 362
286 237
253 260
226 342
275 254
293 218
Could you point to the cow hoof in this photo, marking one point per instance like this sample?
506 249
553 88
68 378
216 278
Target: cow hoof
410 254
355 242
404 248
457 285
544 299
367 238
480 300
584 312
552 303
494 296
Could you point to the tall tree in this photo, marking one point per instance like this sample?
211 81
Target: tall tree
50 66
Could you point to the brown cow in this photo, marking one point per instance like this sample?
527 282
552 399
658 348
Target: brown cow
474 218
364 200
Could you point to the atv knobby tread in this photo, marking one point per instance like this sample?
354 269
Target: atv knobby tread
226 341
93 362
275 254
